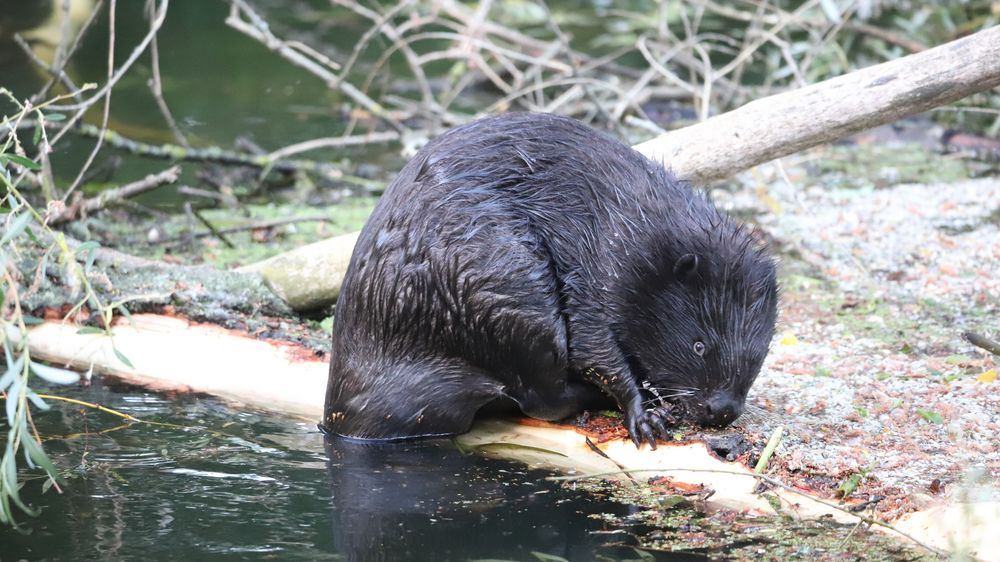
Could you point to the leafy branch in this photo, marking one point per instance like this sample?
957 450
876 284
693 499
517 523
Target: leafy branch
22 225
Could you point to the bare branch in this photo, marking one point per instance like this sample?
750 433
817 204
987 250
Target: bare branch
110 196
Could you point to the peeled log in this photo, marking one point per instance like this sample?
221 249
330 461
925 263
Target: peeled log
758 132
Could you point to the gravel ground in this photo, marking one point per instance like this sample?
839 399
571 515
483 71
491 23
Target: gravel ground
870 373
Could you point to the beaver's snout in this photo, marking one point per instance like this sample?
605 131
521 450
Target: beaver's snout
720 410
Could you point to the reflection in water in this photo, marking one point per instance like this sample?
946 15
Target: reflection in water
233 485
427 501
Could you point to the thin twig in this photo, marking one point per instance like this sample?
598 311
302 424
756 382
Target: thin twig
208 224
212 154
156 83
243 228
140 48
107 197
59 63
59 75
334 142
82 107
106 410
106 110
258 29
423 84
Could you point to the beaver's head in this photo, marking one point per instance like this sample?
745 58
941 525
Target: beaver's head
704 323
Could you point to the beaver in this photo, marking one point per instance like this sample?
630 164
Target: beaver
529 257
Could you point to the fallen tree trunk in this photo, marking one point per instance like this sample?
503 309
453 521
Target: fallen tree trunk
782 124
758 132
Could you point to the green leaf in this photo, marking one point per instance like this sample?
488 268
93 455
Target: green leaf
125 313
930 416
13 368
957 359
37 401
16 228
38 133
13 394
547 557
35 452
54 375
22 161
95 304
121 357
8 471
89 251
6 352
848 486
89 330
32 320
54 116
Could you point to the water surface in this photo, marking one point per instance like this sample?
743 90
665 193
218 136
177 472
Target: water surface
217 483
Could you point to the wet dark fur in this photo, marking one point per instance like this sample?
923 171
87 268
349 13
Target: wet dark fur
528 256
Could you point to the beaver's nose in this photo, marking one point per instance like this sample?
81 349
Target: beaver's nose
720 410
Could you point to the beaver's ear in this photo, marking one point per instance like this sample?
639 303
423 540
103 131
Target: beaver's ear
686 267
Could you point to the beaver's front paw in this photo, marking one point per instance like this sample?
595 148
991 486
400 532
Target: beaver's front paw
650 425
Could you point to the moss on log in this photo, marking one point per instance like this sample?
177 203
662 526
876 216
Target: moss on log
232 299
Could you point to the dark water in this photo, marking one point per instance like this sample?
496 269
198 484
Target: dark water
219 84
224 484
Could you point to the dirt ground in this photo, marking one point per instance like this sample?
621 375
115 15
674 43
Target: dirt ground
870 375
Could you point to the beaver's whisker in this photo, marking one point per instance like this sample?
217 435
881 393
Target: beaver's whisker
669 392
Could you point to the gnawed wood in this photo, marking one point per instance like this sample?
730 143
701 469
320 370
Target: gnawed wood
173 354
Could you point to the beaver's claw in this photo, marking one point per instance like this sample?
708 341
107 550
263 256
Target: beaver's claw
650 425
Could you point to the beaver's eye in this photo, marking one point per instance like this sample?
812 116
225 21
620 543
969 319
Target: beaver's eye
699 348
